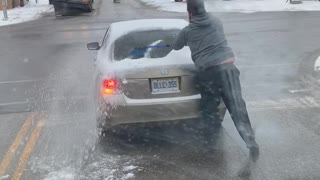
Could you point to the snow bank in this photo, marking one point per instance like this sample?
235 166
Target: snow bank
29 12
246 6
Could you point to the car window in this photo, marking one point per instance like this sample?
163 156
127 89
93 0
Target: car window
144 44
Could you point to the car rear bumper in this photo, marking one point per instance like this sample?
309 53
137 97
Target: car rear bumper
71 4
155 110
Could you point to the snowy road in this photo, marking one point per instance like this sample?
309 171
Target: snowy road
46 69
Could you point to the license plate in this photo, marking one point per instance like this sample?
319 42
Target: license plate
165 85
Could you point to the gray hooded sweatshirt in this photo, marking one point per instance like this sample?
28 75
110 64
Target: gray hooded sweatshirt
206 40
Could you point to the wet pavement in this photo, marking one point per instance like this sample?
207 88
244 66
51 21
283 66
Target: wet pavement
47 112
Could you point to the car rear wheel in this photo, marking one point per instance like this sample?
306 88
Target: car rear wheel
178 0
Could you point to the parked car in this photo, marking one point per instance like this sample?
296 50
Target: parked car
71 7
140 79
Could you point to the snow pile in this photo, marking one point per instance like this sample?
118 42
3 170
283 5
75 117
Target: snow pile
246 6
128 172
29 12
128 176
129 168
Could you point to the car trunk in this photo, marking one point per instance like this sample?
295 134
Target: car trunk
160 82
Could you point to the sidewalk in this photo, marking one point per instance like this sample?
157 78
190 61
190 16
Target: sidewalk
244 6
29 12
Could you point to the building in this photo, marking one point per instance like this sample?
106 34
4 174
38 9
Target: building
12 4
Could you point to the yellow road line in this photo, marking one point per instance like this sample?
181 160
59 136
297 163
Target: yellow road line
16 143
24 158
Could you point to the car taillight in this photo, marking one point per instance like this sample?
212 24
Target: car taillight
109 86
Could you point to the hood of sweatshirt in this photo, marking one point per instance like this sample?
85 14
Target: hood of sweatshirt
200 20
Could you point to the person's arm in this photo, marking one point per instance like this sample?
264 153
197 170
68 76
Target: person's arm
180 41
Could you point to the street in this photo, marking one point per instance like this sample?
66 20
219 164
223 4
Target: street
48 130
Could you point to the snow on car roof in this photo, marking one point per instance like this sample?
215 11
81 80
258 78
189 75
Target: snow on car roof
119 29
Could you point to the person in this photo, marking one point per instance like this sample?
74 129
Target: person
217 76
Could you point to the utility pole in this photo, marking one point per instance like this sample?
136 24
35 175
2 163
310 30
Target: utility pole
4 8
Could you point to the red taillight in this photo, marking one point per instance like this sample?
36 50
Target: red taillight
109 86
110 83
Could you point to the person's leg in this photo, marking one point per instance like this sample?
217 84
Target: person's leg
210 98
232 96
210 123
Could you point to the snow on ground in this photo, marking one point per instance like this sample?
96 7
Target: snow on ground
317 64
64 174
128 176
129 168
246 6
110 166
4 177
29 12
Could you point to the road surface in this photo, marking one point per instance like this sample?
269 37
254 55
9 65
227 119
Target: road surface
47 121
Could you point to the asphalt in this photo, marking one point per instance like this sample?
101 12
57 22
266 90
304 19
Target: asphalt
46 79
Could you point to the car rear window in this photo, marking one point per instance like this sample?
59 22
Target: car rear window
144 44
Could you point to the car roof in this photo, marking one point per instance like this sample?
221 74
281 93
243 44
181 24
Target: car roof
119 29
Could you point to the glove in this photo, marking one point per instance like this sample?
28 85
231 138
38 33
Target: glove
169 39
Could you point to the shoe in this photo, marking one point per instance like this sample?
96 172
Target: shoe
254 153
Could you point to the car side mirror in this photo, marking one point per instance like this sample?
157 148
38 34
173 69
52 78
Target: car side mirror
93 46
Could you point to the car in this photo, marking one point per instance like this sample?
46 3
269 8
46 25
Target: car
71 7
140 79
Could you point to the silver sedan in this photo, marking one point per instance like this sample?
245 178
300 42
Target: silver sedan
140 78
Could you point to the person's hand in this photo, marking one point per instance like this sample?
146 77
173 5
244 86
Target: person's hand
168 40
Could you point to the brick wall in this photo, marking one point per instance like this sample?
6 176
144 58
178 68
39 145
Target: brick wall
11 4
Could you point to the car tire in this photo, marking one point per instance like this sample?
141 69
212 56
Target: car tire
178 0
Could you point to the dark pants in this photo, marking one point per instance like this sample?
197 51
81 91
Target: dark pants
222 82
